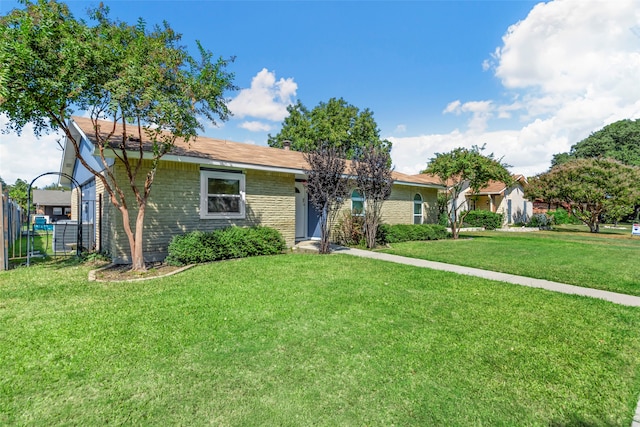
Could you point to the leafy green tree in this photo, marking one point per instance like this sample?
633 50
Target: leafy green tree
373 169
142 80
619 140
464 168
18 192
590 188
335 122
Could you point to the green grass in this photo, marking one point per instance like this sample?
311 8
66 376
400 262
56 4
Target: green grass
608 261
310 340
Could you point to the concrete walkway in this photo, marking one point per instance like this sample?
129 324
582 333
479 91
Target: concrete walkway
621 299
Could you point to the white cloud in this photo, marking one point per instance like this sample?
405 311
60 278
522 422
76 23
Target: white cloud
266 98
401 128
481 112
256 126
570 68
26 156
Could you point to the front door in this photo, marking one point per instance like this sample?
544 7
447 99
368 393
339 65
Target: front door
301 211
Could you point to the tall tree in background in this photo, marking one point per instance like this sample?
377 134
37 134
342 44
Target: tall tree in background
619 140
464 168
372 168
142 80
590 188
327 187
336 123
18 192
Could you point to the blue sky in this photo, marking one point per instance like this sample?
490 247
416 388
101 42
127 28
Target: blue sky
528 79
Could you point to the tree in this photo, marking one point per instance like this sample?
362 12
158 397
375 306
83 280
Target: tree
327 187
336 123
590 188
462 168
372 168
619 140
18 192
140 79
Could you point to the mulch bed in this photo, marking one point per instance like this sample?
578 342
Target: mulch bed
122 272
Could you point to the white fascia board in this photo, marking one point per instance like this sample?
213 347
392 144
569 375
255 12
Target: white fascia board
68 153
418 184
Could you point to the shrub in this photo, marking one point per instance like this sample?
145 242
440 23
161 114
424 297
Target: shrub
486 219
410 232
443 219
232 242
348 230
539 220
561 216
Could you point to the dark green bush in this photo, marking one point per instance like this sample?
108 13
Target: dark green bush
443 219
561 216
226 243
410 232
486 219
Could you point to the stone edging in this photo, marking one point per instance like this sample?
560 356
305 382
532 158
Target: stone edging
92 274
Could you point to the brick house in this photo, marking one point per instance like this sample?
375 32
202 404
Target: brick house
213 183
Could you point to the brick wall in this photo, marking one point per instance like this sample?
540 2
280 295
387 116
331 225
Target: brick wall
174 208
398 209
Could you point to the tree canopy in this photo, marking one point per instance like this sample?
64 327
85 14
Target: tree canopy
335 122
462 168
142 80
619 140
373 176
327 186
590 188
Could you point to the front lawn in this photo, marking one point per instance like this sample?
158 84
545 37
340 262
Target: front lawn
310 340
606 261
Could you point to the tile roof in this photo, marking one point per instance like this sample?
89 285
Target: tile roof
247 155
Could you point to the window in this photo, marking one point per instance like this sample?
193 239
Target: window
221 195
67 211
57 211
357 203
417 209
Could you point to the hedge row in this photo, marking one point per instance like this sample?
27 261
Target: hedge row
486 219
232 242
410 232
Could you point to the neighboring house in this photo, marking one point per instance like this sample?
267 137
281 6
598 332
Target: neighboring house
213 183
54 204
542 207
499 198
502 199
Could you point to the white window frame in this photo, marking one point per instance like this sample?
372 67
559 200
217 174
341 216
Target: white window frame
204 196
357 199
57 210
419 203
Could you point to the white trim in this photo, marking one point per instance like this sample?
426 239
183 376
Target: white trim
361 199
204 176
303 215
421 204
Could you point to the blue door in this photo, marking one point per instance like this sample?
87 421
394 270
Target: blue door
313 227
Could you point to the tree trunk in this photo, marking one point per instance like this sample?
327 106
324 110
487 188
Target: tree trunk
135 240
137 254
454 230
